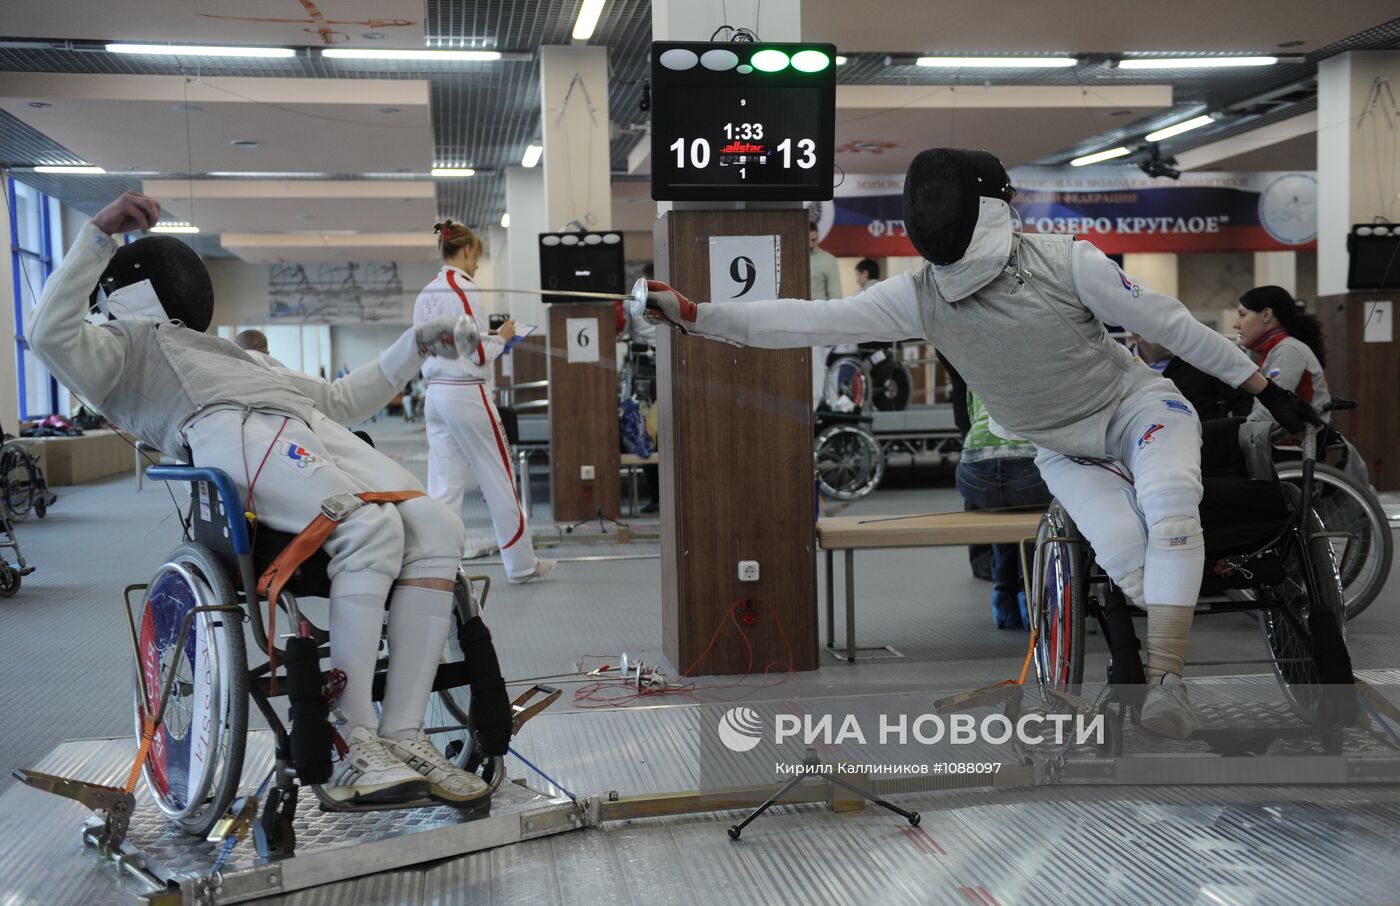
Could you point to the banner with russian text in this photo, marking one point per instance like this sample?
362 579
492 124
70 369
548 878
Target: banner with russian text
1119 209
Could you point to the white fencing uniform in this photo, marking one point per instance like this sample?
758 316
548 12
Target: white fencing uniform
464 429
282 433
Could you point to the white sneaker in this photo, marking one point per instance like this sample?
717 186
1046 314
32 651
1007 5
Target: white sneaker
1167 709
369 774
542 568
450 784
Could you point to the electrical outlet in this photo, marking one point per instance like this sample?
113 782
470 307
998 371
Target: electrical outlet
586 473
748 570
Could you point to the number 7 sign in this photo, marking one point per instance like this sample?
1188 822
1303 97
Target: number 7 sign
743 268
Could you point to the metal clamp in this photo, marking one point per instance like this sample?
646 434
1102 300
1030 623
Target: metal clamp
338 508
112 804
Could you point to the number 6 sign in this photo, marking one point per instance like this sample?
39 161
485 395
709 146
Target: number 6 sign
583 339
743 268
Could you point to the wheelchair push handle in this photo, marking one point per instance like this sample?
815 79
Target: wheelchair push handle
228 493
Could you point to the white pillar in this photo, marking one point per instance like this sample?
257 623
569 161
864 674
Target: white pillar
577 136
9 360
1277 269
1355 173
1157 270
521 269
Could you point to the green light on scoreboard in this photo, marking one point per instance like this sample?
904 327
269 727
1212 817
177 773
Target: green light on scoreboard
770 60
810 61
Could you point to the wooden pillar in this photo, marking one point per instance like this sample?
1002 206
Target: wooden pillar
1368 373
583 412
735 441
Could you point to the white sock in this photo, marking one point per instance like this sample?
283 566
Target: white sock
357 621
419 621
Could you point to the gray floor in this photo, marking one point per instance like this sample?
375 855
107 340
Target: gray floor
66 667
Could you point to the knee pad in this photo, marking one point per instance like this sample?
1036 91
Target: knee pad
1176 548
434 538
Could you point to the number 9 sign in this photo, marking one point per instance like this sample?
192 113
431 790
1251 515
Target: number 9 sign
743 268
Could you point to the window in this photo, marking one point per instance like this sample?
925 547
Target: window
36 242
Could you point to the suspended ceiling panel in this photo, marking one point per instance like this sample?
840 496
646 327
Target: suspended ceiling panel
1100 26
229 205
170 124
376 23
275 247
880 128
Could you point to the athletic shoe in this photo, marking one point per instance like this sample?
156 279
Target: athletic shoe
542 568
1167 710
369 774
450 783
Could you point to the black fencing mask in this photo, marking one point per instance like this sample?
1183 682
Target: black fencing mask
942 193
155 275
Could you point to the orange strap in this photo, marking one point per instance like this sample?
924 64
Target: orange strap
307 542
148 735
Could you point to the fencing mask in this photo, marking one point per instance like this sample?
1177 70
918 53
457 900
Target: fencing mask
942 199
157 278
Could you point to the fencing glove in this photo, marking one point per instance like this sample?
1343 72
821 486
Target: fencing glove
1292 413
665 305
447 337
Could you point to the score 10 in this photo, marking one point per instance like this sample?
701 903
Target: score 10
743 147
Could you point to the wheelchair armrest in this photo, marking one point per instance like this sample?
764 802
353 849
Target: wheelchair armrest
228 492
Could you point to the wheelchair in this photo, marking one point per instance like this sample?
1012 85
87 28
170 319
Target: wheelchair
848 459
1348 506
193 677
1266 552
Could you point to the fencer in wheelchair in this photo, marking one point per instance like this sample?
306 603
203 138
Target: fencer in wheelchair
142 358
1021 316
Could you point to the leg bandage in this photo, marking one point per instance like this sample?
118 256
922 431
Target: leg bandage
1168 633
419 621
1176 556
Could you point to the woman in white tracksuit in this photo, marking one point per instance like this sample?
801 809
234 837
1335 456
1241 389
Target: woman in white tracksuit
1022 319
464 429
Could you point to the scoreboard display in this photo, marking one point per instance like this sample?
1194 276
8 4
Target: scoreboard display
742 122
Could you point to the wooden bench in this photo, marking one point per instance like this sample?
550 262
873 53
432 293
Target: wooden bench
852 533
632 464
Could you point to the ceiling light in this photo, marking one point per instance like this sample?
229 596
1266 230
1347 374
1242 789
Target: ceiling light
840 60
1099 156
1177 129
69 170
453 171
244 143
263 174
587 20
532 155
39 105
192 50
1193 62
997 62
505 220
174 228
426 56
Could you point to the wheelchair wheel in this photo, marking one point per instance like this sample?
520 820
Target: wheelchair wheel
891 386
18 478
1059 582
1306 634
1350 508
849 462
846 376
196 760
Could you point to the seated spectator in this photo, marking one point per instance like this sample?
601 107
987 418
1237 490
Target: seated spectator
995 474
1207 394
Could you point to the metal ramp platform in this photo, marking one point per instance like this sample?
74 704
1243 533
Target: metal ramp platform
1165 823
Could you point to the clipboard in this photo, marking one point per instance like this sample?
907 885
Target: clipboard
521 332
